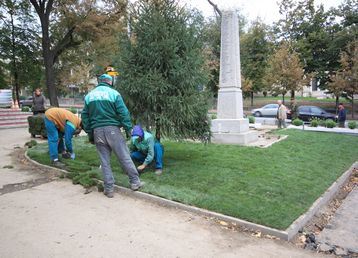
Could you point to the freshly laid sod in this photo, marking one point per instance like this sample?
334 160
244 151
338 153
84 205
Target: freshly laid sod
272 186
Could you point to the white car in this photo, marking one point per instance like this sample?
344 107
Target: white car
269 110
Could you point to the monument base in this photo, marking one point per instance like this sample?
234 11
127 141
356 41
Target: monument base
232 131
234 138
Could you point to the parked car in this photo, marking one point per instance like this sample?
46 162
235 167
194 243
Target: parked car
5 98
307 113
26 102
269 110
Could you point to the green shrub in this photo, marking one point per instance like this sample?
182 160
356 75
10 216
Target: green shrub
73 110
213 116
37 125
251 119
297 122
321 122
25 109
352 124
314 122
330 123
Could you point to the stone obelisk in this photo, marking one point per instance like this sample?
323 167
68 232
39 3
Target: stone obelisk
230 127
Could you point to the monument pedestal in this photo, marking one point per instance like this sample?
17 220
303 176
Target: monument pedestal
232 131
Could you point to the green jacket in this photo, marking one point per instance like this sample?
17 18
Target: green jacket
146 146
104 106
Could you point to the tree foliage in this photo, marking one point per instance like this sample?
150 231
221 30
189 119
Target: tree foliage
19 46
284 72
163 70
255 50
67 24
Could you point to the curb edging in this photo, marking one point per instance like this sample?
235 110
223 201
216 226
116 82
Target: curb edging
286 235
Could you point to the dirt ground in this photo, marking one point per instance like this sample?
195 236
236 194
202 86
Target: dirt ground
42 215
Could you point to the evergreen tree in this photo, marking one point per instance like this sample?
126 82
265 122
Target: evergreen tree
163 70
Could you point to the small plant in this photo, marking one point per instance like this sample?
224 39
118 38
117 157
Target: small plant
73 110
322 123
352 124
213 116
251 119
25 109
297 122
31 143
330 123
314 122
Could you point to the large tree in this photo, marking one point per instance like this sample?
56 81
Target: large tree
348 74
255 48
19 45
67 24
163 70
284 72
312 33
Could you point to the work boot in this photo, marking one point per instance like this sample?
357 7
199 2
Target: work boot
58 164
135 187
158 171
108 194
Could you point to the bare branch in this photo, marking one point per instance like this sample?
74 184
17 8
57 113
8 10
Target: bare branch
216 8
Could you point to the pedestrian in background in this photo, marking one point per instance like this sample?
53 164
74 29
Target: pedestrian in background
281 114
341 115
38 102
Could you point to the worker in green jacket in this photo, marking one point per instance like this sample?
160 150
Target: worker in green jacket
145 149
103 115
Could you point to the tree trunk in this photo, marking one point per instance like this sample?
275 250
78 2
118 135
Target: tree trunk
292 94
252 98
157 130
15 74
337 102
352 105
283 98
49 63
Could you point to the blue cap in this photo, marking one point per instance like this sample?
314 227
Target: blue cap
138 131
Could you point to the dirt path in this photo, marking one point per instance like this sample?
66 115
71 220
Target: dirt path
44 216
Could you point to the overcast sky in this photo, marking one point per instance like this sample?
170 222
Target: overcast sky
266 9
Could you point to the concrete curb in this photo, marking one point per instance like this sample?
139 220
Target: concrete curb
323 200
287 234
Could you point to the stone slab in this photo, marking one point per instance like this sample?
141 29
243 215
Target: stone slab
243 138
343 229
326 130
230 104
229 125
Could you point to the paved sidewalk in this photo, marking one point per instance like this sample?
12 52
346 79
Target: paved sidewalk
56 219
342 232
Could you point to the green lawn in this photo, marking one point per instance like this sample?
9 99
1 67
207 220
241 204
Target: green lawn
272 186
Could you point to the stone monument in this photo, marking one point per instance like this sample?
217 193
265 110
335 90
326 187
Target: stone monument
230 127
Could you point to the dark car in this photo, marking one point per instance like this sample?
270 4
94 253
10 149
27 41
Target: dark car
307 113
26 102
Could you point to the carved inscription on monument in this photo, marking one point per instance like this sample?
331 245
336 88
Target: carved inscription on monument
230 51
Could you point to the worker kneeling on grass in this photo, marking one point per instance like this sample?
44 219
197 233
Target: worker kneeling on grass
61 123
144 148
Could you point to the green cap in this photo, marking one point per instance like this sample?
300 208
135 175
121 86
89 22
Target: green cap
105 77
